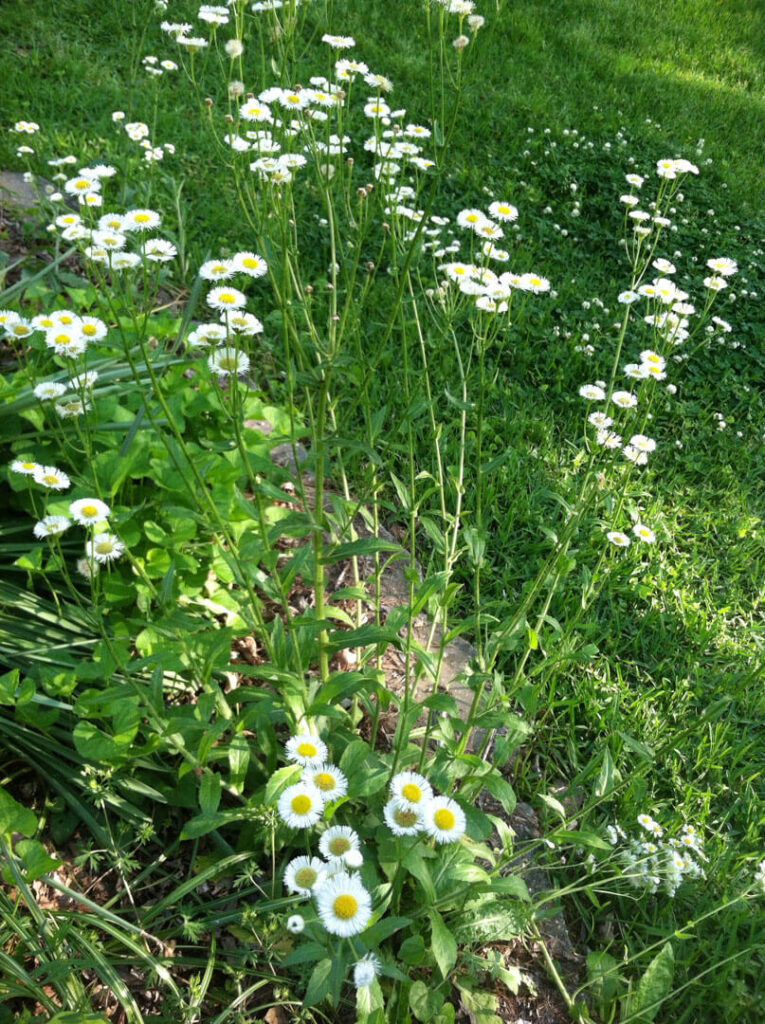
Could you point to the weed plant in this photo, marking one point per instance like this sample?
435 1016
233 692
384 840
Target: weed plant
284 308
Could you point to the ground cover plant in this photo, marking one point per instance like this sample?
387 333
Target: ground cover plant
317 299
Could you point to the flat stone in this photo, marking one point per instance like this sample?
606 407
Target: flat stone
19 194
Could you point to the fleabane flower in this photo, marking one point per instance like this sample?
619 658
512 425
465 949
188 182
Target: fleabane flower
503 211
87 511
618 539
295 924
24 467
140 220
305 749
103 548
411 790
644 533
249 263
366 970
50 477
300 806
51 526
228 362
402 820
338 42
723 265
225 297
49 389
304 874
592 392
328 779
337 841
344 905
444 820
624 399
216 270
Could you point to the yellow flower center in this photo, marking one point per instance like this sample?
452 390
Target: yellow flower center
46 323
50 479
339 845
20 330
88 329
104 547
406 819
89 510
293 98
411 792
82 183
305 878
219 268
62 339
324 781
345 906
444 819
141 218
64 319
301 804
471 218
459 270
249 262
28 465
306 750
226 297
503 209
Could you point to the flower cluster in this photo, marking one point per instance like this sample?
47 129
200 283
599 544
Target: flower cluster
413 808
657 860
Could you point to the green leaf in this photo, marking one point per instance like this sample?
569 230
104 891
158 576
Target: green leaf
424 1002
308 953
412 950
94 744
363 546
500 789
603 976
14 817
209 792
279 781
653 988
35 858
318 985
416 866
480 1006
443 942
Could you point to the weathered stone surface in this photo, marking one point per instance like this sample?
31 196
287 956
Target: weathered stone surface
17 193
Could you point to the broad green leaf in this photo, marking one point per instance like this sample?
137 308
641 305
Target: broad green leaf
444 944
318 985
653 988
14 817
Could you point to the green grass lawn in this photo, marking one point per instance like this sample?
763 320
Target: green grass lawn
650 700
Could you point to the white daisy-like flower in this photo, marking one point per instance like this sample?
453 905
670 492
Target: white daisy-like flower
328 779
411 790
124 260
140 220
226 297
227 362
255 110
609 439
159 250
344 905
664 266
87 511
401 820
249 263
618 539
295 924
644 533
240 322
444 820
592 392
338 840
106 222
304 874
93 329
338 42
503 211
300 806
84 380
49 389
366 970
635 455
65 341
305 749
51 526
723 265
624 399
25 468
19 329
216 270
50 477
103 548
715 284
471 218
81 185
353 859
599 420
636 180
534 283
628 297
642 443
70 409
